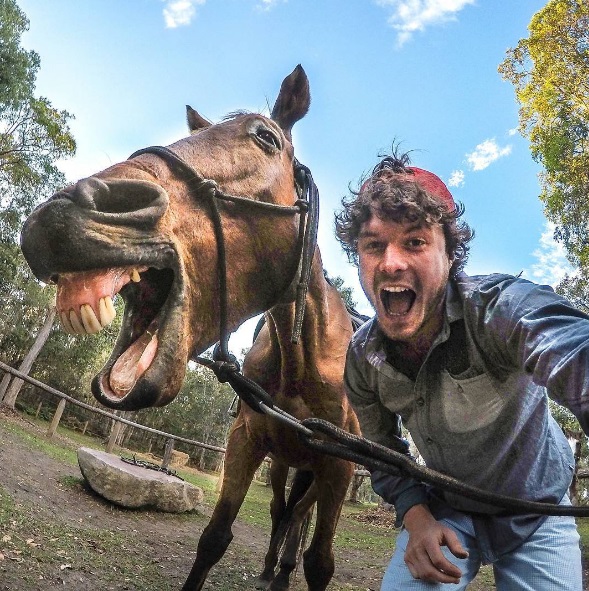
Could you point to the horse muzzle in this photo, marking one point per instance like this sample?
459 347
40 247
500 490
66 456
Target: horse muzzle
85 226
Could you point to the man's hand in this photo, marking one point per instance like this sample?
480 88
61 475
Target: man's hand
423 555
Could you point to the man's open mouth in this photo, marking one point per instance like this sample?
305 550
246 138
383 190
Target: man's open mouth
85 306
397 301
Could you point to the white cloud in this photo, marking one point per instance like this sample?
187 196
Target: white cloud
409 16
268 4
552 264
513 131
486 153
456 179
178 13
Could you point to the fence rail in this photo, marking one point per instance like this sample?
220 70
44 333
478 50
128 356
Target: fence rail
170 438
64 397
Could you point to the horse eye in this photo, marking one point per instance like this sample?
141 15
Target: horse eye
268 137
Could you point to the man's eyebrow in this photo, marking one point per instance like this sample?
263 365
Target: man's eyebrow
418 226
367 234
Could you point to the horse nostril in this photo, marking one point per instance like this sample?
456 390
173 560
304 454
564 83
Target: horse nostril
119 201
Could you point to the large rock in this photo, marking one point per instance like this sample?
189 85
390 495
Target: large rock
134 486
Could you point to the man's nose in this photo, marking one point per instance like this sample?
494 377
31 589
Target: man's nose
393 260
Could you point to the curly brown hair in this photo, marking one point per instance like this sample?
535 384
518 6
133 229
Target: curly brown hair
389 193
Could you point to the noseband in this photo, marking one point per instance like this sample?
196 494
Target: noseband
306 205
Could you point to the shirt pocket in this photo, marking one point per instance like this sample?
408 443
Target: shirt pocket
472 403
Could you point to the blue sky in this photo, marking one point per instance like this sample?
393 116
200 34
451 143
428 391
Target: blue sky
422 72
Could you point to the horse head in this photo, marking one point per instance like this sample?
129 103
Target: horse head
149 229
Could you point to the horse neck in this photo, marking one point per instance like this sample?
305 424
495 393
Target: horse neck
325 334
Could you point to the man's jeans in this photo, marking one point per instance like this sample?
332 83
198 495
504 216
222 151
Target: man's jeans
549 560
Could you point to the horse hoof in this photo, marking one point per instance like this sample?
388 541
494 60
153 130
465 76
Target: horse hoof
262 583
279 585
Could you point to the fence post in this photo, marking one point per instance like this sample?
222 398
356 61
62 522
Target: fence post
167 454
12 390
113 437
56 418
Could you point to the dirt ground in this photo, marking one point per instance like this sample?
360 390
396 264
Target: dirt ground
56 534
36 482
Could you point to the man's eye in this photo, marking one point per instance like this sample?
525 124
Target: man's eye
372 246
416 242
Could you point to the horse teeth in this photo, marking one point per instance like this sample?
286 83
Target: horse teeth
65 322
135 276
89 320
106 310
76 324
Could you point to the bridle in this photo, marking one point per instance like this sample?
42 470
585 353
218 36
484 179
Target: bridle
306 205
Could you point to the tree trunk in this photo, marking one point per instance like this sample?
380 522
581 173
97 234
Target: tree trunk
4 384
13 389
355 485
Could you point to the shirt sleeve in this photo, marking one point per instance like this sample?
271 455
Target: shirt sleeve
544 335
382 426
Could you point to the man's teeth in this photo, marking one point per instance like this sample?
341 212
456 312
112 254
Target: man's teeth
85 321
395 289
135 276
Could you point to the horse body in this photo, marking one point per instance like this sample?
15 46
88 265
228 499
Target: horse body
305 380
146 229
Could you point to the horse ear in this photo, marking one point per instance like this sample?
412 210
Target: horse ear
293 100
195 121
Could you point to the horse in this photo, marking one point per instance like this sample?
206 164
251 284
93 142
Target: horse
197 237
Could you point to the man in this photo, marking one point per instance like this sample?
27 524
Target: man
466 365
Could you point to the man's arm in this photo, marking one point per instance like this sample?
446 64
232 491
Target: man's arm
531 327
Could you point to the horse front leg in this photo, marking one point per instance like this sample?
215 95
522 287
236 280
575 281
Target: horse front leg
332 479
242 459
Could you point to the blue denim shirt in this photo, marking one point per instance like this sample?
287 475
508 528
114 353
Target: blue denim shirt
478 408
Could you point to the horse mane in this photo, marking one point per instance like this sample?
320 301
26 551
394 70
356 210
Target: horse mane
235 114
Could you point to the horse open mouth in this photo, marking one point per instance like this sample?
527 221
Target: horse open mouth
85 306
397 301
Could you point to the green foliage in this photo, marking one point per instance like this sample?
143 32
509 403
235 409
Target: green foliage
18 68
33 137
576 290
33 134
550 73
199 412
345 292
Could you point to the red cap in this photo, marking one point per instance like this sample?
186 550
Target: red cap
429 182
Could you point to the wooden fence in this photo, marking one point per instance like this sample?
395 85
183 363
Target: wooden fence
118 421
359 475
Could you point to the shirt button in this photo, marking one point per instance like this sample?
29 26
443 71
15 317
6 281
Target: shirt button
429 440
420 402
